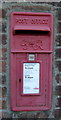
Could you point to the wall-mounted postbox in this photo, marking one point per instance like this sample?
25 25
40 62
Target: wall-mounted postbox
31 61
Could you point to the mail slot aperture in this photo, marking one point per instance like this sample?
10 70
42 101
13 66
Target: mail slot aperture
17 32
31 38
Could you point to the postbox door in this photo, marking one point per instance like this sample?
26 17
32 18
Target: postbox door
32 100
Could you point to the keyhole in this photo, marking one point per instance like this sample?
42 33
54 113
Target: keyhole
19 80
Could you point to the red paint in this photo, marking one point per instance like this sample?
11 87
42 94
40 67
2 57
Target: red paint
31 33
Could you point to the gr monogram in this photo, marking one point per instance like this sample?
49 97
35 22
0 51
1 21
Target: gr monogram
32 44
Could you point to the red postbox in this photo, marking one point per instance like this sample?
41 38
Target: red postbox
31 61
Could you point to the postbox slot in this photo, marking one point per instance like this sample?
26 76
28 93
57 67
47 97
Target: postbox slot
30 32
33 30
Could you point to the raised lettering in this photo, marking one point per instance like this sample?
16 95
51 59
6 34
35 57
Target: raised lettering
31 21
